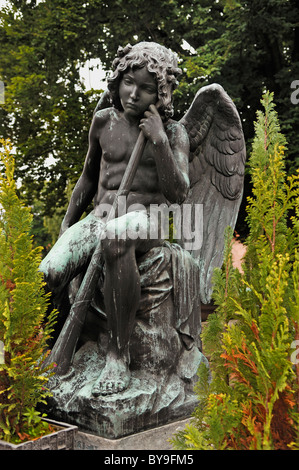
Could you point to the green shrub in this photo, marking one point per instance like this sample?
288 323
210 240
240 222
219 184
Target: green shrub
251 401
23 306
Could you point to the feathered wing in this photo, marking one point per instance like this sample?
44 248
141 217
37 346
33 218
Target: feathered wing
217 154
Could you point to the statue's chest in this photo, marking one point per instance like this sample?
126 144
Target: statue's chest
117 143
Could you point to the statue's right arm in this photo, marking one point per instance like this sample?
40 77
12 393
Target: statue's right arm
86 186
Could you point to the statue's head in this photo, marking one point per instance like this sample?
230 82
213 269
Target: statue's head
159 61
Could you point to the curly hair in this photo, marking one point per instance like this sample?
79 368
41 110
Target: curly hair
158 60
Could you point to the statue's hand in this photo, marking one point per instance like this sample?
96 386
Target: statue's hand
152 125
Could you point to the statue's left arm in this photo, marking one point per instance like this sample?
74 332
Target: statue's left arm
170 149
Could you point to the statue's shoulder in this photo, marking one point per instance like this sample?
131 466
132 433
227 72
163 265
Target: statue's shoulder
102 116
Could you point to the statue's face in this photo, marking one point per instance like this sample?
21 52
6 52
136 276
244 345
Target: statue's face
137 91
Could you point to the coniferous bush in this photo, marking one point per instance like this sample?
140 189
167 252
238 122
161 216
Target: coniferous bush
23 305
250 399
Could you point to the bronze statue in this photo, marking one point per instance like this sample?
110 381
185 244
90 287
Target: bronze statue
197 161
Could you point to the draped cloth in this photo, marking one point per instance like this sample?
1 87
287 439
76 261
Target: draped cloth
172 270
166 271
165 353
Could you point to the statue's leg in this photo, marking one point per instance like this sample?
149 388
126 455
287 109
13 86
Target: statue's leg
122 295
71 254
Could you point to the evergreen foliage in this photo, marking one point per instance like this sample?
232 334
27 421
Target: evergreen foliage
23 306
252 399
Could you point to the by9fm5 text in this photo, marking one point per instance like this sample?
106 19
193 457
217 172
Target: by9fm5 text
170 459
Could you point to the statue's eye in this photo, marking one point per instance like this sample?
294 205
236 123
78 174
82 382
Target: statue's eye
150 89
127 80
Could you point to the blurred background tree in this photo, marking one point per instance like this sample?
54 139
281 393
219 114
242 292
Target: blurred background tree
247 47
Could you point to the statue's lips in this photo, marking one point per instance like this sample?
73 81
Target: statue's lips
132 106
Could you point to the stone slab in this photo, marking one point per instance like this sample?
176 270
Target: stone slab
153 439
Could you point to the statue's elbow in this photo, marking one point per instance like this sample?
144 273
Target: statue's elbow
177 192
184 189
182 197
182 193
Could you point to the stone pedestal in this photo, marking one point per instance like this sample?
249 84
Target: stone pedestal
150 400
153 439
164 348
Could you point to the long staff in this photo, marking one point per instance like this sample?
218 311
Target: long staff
65 346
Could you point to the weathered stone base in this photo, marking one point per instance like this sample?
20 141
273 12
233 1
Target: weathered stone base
154 439
150 401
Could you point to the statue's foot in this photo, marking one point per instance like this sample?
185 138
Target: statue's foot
114 378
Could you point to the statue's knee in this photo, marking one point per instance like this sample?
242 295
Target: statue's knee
51 278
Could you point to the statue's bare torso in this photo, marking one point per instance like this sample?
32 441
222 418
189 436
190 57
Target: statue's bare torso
115 154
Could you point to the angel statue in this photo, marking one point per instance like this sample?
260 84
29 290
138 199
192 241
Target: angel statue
130 340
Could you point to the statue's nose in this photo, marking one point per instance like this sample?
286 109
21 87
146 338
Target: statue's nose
134 93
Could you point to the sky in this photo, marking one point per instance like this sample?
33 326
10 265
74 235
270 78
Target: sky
93 78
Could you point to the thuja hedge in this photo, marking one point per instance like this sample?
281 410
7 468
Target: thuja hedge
25 327
249 397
